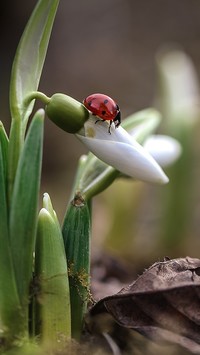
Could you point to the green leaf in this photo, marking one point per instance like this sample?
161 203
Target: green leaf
4 147
76 235
25 77
30 56
53 317
10 312
24 203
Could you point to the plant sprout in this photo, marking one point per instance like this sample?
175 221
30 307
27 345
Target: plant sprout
45 267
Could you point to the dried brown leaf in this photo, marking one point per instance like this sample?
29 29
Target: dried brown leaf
162 304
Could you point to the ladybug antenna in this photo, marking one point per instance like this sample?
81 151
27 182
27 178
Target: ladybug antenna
117 119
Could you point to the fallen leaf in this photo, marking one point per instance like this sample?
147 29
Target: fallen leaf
163 303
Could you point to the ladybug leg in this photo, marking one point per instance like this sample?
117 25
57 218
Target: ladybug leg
110 126
99 120
102 120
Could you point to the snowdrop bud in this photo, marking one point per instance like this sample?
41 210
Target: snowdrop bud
67 113
121 151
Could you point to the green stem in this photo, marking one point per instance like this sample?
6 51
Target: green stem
81 165
99 184
36 95
177 197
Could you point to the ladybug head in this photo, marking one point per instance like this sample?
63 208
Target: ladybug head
117 119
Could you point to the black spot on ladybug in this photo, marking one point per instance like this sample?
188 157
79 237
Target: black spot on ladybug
105 101
103 112
89 103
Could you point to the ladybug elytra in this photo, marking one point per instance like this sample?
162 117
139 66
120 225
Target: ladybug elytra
104 107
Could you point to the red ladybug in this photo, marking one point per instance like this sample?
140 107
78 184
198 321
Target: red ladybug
104 107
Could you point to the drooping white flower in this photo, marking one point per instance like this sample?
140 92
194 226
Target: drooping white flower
164 149
121 151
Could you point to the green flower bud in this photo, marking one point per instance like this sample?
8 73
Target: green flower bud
66 112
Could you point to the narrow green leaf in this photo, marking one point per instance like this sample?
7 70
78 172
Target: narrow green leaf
4 147
25 77
30 56
23 210
10 312
76 235
16 142
53 318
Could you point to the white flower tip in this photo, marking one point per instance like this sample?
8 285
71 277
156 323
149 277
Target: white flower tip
164 179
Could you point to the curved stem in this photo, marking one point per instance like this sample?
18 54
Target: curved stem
100 183
36 95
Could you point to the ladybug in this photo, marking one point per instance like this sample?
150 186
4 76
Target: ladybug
104 107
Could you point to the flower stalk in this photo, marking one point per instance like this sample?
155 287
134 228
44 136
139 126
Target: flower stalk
178 100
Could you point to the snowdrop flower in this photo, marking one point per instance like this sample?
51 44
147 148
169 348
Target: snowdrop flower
121 151
164 149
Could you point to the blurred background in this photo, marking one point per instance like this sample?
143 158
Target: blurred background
110 46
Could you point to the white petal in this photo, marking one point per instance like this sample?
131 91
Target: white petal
100 131
121 151
164 149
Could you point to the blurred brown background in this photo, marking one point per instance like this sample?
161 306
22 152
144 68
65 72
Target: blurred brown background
106 46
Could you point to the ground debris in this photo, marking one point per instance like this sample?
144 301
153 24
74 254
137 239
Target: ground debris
163 304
